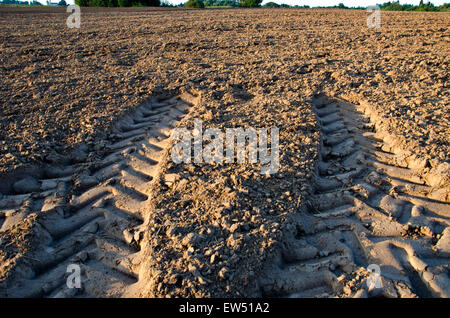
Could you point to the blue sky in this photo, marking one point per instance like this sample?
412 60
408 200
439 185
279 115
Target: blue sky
312 3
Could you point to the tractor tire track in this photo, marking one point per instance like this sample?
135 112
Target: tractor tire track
100 227
367 209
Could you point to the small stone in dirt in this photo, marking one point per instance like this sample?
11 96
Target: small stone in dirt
138 235
443 245
128 236
201 280
26 185
234 227
172 279
171 178
416 211
93 228
223 273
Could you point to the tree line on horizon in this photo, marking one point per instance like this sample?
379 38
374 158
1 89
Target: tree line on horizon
118 3
31 3
236 4
95 3
396 6
387 6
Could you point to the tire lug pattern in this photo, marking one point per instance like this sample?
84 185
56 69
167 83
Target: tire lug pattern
97 227
367 209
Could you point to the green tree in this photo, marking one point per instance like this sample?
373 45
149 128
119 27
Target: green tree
62 3
100 3
194 4
250 3
271 5
82 3
149 3
124 3
396 6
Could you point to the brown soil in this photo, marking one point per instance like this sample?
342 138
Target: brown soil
216 228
